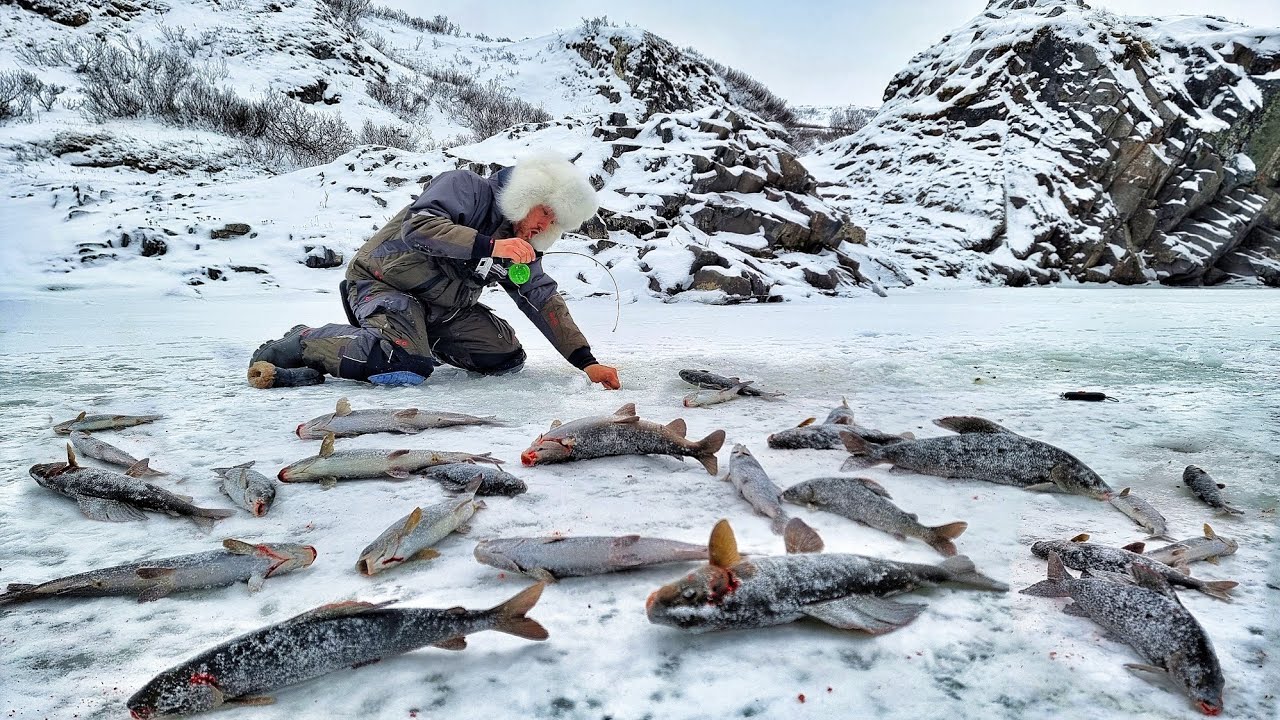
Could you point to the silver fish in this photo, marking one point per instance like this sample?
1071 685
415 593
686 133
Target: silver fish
90 446
983 451
1210 547
105 495
89 423
708 380
1079 554
1141 512
714 397
247 488
328 638
846 591
412 537
153 579
1150 619
551 558
328 467
622 433
810 434
1207 489
753 483
493 481
865 501
345 422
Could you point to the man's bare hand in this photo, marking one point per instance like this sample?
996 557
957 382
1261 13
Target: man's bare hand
604 375
514 248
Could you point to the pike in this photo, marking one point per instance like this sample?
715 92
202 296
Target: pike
90 446
1149 618
456 476
109 496
866 502
846 591
754 485
89 423
1079 554
412 537
247 487
983 451
1210 547
811 434
1141 512
707 399
318 642
1207 489
708 380
328 467
153 579
622 433
549 559
345 422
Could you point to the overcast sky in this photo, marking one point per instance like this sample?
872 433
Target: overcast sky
819 52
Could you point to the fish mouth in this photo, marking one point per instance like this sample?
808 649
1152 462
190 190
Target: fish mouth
529 458
259 508
283 475
298 431
1209 708
141 713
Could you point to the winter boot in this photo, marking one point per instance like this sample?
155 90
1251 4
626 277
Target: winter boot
283 353
263 374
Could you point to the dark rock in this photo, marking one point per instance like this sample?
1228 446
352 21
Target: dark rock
323 257
248 269
738 286
703 257
152 246
594 228
229 230
823 281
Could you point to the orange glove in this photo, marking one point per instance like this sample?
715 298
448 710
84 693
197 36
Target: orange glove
604 375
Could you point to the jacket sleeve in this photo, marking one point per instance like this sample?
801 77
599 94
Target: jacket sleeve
438 221
540 301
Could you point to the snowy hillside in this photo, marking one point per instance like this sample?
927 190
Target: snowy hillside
1046 140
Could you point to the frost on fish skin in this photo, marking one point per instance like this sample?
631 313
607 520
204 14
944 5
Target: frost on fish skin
864 501
493 481
753 483
248 488
584 555
1206 488
1194 549
1141 512
1091 556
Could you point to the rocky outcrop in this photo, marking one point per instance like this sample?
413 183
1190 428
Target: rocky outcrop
1046 139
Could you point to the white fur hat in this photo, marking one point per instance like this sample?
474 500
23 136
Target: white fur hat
547 178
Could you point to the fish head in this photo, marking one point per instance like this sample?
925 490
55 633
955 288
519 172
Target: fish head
314 429
1043 548
805 493
1078 479
1200 681
695 602
297 472
384 552
176 693
549 447
46 471
740 450
495 553
285 557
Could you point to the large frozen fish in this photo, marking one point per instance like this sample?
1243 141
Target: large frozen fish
345 422
753 484
826 434
622 433
493 481
1210 547
90 446
88 423
551 558
1141 512
866 501
247 487
413 536
708 380
1081 555
1207 489
330 466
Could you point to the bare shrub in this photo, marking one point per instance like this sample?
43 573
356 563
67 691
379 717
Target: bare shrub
350 12
390 135
489 109
439 25
17 89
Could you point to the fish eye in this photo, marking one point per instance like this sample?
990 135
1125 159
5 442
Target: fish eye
688 593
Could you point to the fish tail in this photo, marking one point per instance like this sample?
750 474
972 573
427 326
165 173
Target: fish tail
1219 589
705 451
960 569
940 537
511 619
1230 510
1055 586
800 538
206 517
860 451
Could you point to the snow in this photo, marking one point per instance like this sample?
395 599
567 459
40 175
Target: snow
1193 370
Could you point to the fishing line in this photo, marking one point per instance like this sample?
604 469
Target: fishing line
519 274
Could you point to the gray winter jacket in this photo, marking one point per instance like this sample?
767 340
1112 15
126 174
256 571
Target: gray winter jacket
432 248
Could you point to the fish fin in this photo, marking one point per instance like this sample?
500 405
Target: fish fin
328 483
184 498
336 610
1044 487
140 468
463 529
1213 560
256 581
1142 668
678 427
83 414
1150 579
864 612
542 575
626 410
1231 510
941 536
108 510
153 573
706 449
71 455
343 408
1056 585
1222 486
152 593
406 414
966 425
410 522
1075 609
874 487
458 643
960 569
624 419
396 453
800 538
1219 589
326 445
473 487
907 435
1136 547
398 474
722 548
204 518
511 615
425 554
556 423
1082 537
1123 493
807 422
622 552
255 700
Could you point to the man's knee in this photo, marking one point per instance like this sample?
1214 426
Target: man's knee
371 359
498 363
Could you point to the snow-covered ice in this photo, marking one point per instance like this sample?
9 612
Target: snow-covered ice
1194 370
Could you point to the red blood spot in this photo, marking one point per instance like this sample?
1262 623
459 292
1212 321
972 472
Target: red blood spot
800 697
529 458
203 679
298 432
1209 709
502 576
283 475
828 689
1053 655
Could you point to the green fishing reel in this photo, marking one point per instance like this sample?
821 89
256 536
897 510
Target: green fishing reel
519 273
